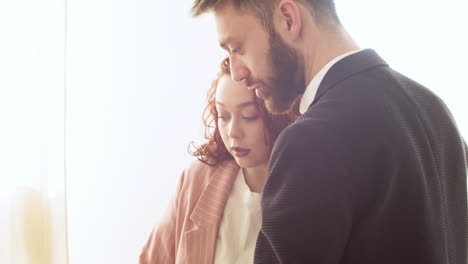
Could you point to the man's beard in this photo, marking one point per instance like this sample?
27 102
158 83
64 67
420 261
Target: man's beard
287 80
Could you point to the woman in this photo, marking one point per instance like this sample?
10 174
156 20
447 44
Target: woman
215 215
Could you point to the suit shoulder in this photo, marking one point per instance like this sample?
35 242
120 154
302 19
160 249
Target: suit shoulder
308 133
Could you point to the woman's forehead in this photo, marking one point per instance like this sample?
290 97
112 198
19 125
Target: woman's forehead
230 93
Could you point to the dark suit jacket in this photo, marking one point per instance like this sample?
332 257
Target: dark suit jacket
373 173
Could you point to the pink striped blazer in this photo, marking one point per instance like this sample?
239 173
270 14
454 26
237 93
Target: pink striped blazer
188 231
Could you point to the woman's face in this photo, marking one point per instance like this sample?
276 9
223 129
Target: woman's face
240 124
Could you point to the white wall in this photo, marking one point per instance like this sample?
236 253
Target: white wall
137 76
32 60
137 72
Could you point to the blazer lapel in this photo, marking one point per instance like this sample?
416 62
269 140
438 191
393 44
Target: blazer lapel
348 66
201 239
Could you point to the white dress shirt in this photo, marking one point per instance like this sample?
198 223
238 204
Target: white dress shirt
240 225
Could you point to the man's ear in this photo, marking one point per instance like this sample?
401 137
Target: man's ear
288 19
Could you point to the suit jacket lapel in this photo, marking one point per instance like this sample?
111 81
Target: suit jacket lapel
348 66
201 239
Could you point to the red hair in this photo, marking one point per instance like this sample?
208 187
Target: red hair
214 151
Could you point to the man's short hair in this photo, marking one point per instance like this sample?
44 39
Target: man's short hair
323 11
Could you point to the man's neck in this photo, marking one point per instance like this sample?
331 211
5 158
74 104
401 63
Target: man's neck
325 48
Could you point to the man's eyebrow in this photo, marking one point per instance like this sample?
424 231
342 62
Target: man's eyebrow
224 41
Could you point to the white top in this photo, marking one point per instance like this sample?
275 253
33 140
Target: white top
309 94
240 225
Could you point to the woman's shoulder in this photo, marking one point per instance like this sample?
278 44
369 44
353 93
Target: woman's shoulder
197 166
198 175
199 171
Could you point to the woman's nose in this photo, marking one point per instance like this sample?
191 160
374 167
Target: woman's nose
235 130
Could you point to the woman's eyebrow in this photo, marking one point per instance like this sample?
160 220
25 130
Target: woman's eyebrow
240 105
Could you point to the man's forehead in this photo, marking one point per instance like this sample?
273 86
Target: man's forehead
229 29
231 26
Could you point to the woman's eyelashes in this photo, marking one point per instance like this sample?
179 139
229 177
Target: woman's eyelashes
250 118
225 117
250 114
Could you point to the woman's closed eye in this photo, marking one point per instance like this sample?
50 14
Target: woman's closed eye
250 114
250 118
223 117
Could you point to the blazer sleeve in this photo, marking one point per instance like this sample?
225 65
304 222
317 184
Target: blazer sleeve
161 245
306 211
466 154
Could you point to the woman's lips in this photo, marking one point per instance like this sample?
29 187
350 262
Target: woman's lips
240 152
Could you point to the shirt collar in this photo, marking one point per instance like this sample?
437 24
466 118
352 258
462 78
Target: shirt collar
309 94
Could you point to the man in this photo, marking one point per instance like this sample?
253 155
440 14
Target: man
374 171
